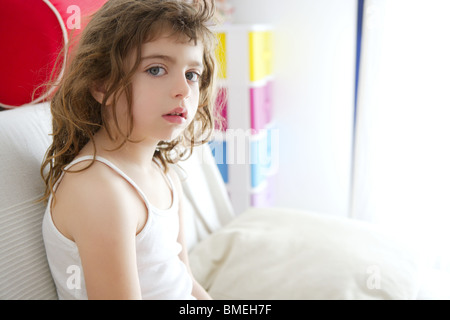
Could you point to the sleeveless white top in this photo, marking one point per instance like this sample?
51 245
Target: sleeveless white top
162 275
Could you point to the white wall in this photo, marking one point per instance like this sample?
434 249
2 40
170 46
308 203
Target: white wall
314 90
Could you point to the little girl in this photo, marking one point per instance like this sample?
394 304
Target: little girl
136 97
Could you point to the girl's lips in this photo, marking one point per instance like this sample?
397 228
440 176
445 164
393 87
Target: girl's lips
172 118
179 111
177 115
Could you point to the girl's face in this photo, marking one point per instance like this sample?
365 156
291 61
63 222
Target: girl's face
165 89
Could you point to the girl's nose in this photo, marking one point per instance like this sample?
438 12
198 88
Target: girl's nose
181 88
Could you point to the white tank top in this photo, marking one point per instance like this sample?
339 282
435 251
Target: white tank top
162 275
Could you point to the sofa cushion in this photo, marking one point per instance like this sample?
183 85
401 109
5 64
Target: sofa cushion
24 140
33 34
276 253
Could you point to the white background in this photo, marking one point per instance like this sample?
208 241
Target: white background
315 43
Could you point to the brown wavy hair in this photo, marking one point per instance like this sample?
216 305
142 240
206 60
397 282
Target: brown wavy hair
116 29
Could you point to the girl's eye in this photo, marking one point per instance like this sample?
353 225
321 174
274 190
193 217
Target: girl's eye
192 76
156 71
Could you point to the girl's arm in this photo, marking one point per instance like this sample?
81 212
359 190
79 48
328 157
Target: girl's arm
197 290
102 226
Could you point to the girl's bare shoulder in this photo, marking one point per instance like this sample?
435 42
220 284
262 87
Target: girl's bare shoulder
90 181
91 194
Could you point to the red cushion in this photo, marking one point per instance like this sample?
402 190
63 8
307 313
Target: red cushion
32 33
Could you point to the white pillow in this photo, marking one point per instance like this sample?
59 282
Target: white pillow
288 254
207 205
24 139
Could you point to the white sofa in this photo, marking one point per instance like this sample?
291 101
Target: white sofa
263 253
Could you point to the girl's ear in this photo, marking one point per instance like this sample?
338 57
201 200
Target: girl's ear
98 92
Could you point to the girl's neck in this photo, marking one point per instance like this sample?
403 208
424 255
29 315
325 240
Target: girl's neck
136 154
